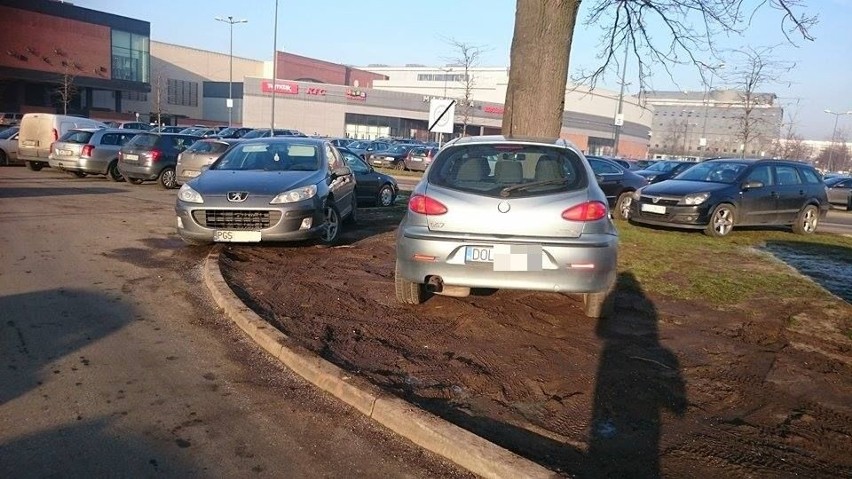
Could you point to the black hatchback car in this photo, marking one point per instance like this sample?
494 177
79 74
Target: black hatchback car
617 183
717 195
663 170
153 156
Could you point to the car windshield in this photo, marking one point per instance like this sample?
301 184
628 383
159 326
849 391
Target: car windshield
256 134
835 180
508 170
399 149
713 172
143 140
6 134
358 145
663 166
208 147
76 136
278 156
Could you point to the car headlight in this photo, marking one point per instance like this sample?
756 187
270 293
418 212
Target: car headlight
637 195
695 199
298 194
651 178
189 195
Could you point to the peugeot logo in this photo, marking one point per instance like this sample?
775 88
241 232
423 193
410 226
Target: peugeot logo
655 199
237 196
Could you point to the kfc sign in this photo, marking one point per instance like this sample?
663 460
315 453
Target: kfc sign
315 91
287 88
493 109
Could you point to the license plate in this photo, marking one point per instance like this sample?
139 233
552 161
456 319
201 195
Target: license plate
654 209
29 143
479 254
130 157
190 173
416 159
64 152
377 162
237 236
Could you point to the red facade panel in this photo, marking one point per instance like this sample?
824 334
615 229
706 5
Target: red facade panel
34 41
297 67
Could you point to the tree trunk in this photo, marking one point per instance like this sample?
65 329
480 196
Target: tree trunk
538 73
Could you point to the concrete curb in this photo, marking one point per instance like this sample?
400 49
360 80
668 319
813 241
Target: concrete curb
424 429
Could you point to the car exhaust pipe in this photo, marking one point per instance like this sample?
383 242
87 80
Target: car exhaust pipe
434 284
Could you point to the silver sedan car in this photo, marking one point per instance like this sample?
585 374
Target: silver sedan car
271 189
497 212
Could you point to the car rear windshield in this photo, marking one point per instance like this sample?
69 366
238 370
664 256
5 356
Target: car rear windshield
663 166
76 136
270 157
208 147
509 170
713 172
143 140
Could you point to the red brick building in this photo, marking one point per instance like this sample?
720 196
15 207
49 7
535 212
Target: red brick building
299 68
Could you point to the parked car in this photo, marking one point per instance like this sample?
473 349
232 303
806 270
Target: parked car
420 157
264 133
394 157
202 132
840 191
90 151
365 148
341 142
664 169
497 212
128 125
9 146
617 183
202 153
168 129
40 130
371 187
10 119
271 189
153 156
233 133
718 195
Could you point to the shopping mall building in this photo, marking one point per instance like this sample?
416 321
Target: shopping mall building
120 73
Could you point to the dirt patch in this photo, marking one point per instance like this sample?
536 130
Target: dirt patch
662 388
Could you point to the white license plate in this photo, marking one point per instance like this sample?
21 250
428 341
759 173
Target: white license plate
479 254
237 236
654 208
416 159
29 143
190 173
130 157
64 152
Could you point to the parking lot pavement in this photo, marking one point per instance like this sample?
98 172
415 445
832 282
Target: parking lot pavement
837 221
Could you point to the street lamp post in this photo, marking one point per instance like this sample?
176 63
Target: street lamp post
837 116
230 21
703 141
274 69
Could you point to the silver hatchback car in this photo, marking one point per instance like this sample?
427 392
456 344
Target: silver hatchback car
497 212
90 151
202 153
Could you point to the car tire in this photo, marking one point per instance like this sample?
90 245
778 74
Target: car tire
113 173
78 174
133 181
622 205
34 166
192 242
399 165
806 221
386 196
4 160
598 305
849 202
722 221
407 292
167 178
332 225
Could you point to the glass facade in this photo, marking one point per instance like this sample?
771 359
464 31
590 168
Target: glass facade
130 56
368 127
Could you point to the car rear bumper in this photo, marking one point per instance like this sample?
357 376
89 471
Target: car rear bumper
71 163
383 162
284 223
140 172
585 266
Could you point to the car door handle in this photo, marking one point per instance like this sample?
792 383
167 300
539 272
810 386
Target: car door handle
801 192
774 194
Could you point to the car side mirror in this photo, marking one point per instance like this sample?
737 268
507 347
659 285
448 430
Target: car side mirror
339 172
599 178
752 185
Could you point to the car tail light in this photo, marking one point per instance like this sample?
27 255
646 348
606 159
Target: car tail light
55 134
588 211
87 150
156 155
425 205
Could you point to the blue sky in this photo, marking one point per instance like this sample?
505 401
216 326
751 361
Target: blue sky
410 31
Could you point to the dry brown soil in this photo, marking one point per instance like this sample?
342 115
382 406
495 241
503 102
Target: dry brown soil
662 388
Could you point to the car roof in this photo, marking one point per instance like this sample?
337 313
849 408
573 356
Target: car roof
285 139
466 140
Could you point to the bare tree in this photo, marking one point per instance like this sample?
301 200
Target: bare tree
657 32
67 90
836 156
158 90
467 57
791 145
675 137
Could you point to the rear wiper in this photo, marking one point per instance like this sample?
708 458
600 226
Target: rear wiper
509 189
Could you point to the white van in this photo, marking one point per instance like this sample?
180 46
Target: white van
40 130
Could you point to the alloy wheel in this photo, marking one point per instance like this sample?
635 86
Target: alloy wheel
332 224
386 196
723 221
810 221
625 207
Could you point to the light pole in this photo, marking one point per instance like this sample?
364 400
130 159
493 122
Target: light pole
837 116
274 69
230 21
703 141
619 117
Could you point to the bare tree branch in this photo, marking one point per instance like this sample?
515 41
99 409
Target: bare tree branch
466 56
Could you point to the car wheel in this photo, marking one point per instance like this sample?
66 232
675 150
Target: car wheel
332 225
807 221
399 165
385 196
34 166
133 181
353 216
622 205
113 173
78 174
849 202
597 305
721 221
4 160
192 242
407 292
167 178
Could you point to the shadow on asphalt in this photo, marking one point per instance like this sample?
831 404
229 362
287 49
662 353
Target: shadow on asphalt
828 265
38 192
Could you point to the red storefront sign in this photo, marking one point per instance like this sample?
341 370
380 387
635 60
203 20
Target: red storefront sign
287 88
493 109
315 91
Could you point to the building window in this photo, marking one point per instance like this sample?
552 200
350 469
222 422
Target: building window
130 56
181 92
446 77
134 96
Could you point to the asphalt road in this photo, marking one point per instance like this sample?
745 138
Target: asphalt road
113 361
838 221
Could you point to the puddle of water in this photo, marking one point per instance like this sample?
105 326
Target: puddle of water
830 268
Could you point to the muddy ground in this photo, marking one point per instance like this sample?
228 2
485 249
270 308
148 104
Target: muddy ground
663 388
